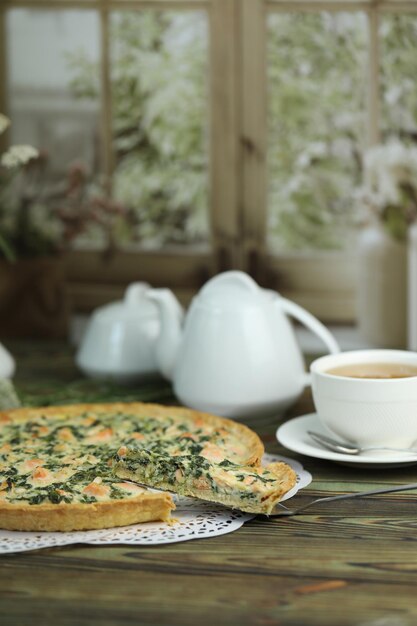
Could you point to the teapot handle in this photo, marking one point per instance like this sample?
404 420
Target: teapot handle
313 324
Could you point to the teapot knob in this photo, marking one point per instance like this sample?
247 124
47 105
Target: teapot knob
134 293
231 280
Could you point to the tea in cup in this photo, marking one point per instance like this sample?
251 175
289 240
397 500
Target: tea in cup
368 397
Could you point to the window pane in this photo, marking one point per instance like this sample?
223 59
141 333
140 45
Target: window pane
42 47
159 104
160 125
51 56
316 114
398 76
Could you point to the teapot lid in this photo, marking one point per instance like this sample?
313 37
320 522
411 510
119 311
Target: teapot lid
135 305
232 289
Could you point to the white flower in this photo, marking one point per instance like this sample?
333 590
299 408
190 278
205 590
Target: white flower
4 123
315 150
393 95
18 155
389 167
342 148
344 120
305 68
294 184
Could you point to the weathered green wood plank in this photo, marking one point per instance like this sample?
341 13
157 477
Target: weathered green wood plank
315 546
194 599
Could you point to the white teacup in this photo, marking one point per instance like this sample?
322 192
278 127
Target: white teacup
367 411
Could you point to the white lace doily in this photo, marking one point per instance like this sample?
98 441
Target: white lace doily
196 519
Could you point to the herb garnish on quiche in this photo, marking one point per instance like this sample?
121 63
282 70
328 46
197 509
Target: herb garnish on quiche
56 462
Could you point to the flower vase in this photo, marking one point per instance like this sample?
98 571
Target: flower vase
382 289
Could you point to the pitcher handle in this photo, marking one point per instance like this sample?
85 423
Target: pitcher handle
313 324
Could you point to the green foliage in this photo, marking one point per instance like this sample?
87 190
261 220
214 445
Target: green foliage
398 76
317 64
85 82
159 114
41 218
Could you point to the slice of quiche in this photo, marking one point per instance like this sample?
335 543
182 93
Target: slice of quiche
247 488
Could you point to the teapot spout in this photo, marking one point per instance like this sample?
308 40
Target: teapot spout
7 364
171 315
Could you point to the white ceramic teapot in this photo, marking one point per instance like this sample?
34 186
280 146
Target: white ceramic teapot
237 355
119 343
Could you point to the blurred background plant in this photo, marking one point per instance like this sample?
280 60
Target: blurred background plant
10 164
317 119
159 113
389 193
40 218
156 148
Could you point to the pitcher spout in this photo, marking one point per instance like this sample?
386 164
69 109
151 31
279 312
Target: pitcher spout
171 315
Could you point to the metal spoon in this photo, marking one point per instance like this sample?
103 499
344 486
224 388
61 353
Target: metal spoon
287 512
347 448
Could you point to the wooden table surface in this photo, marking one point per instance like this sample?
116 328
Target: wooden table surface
349 562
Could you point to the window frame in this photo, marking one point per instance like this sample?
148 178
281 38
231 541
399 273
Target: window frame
95 277
323 282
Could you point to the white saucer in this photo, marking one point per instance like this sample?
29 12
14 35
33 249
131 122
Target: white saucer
293 435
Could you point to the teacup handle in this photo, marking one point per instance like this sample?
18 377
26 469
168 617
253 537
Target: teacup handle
313 324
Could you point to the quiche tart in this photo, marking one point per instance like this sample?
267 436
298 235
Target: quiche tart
56 463
247 488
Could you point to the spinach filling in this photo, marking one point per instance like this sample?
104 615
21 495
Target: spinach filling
41 438
180 471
